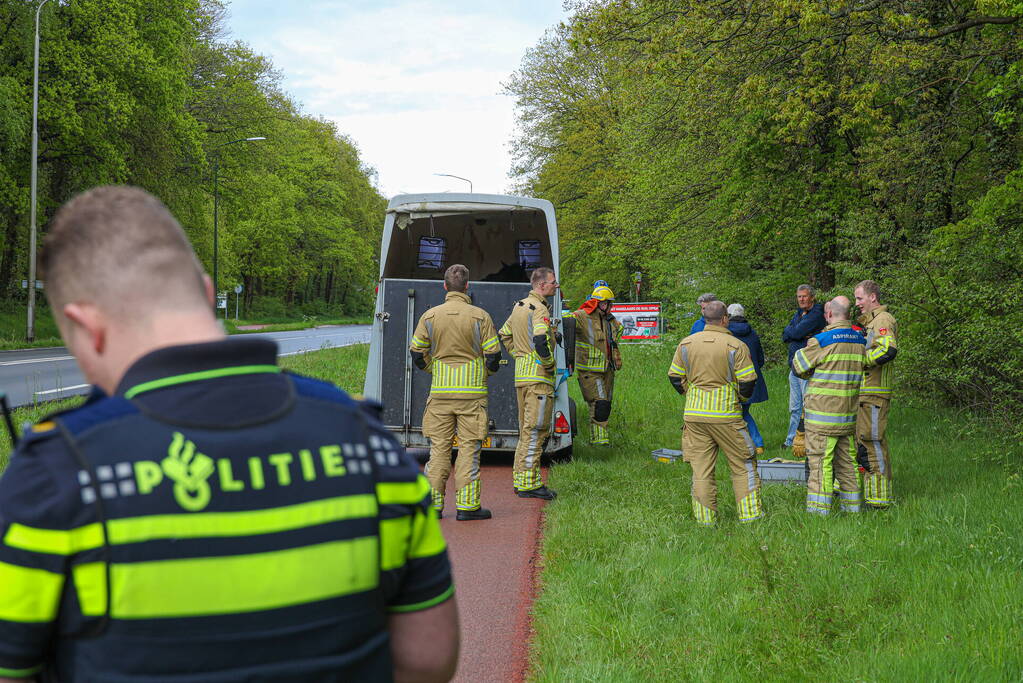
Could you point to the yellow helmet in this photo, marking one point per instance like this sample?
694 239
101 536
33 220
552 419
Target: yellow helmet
602 293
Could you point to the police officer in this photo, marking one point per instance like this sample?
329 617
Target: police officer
714 371
832 361
597 357
457 344
205 515
875 395
529 336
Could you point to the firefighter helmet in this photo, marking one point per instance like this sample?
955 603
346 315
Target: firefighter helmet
602 293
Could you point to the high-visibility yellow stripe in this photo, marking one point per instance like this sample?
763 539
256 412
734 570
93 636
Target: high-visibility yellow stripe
824 391
54 541
192 525
394 542
858 357
91 585
491 345
467 378
528 369
425 603
248 523
25 673
721 401
427 539
28 595
243 583
677 369
404 492
745 372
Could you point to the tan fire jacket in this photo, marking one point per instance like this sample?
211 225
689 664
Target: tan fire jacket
529 336
597 335
453 338
711 364
833 362
880 327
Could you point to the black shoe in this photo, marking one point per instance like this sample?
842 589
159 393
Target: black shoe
542 492
468 515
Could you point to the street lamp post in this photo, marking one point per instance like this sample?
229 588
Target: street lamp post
216 206
30 330
448 175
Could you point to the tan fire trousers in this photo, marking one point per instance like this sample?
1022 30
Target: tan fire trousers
443 417
700 443
536 417
596 388
872 450
830 458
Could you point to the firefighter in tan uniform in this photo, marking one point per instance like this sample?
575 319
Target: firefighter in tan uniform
832 361
529 336
714 371
457 344
875 395
597 357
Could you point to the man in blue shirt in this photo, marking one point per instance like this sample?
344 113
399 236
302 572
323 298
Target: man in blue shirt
807 321
701 322
204 515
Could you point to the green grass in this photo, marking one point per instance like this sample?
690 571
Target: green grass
632 590
232 325
14 322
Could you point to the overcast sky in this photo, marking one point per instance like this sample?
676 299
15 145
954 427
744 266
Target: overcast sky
416 84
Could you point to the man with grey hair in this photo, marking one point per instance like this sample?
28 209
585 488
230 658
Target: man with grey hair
701 322
807 321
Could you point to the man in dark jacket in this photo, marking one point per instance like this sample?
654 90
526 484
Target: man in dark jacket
743 331
807 321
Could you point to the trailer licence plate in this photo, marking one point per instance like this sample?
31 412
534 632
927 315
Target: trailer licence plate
486 442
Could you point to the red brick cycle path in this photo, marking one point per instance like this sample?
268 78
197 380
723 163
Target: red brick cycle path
494 563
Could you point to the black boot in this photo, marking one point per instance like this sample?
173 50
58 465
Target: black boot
468 515
542 492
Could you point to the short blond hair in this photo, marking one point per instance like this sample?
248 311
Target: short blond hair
539 275
120 248
869 287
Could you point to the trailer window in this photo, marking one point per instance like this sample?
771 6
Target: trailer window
432 251
529 254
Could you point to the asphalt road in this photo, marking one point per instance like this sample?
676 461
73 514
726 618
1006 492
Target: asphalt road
31 375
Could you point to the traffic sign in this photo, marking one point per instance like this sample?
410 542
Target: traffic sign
237 289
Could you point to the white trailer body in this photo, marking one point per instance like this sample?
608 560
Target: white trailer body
501 239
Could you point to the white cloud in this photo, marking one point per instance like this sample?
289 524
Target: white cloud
416 85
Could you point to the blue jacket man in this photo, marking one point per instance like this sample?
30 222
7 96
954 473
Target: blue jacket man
700 322
807 321
744 332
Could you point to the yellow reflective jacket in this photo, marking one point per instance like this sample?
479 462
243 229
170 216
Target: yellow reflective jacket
833 362
528 327
453 338
596 336
880 327
711 364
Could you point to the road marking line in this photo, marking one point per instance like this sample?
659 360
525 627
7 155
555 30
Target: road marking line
36 360
54 391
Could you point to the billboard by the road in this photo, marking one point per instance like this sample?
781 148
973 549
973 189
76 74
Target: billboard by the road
640 321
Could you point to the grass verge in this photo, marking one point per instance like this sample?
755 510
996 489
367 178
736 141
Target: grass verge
632 590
